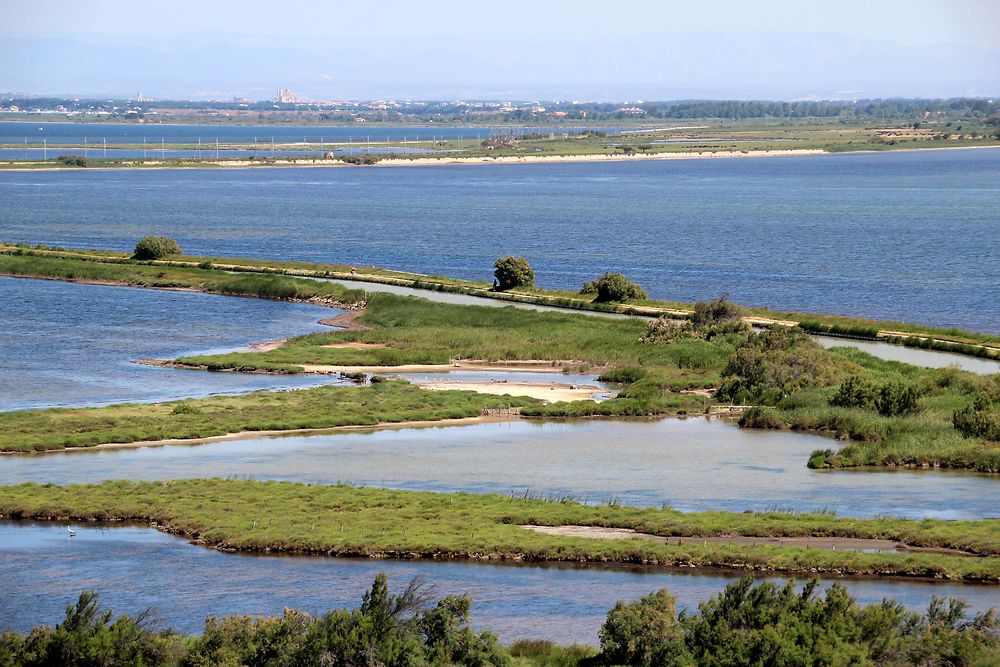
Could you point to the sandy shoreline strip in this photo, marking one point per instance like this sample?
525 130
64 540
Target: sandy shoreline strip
544 391
506 159
811 542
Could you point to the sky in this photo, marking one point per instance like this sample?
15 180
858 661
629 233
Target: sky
440 49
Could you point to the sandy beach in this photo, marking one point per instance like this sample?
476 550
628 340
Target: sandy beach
544 391
827 543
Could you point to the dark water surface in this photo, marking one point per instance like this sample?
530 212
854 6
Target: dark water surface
66 344
42 570
693 464
909 236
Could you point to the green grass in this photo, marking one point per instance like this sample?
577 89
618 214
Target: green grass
340 520
321 407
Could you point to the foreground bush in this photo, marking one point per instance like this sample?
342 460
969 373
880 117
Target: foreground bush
155 247
511 272
746 624
763 624
387 629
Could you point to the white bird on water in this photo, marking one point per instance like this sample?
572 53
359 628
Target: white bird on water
71 531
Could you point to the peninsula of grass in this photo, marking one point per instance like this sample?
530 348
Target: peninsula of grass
388 402
663 367
947 339
253 516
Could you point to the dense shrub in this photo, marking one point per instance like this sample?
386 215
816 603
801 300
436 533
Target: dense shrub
896 399
773 364
641 632
715 312
73 160
613 287
748 623
155 247
511 272
386 630
889 400
762 624
362 160
979 420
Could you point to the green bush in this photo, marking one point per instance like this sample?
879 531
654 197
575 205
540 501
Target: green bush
511 272
715 312
761 624
771 365
155 247
855 392
979 420
896 399
642 632
613 287
73 160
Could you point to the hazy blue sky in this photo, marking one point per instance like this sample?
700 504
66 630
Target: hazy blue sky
589 50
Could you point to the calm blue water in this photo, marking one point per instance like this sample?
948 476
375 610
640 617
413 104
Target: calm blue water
42 570
909 236
646 463
65 344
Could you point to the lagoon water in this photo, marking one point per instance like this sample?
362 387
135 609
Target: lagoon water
42 570
66 344
693 464
909 236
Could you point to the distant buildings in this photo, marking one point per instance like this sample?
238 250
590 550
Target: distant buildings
286 96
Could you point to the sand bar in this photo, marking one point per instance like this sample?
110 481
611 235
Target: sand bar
828 543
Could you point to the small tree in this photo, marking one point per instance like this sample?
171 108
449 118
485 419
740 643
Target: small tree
613 287
641 632
155 247
512 272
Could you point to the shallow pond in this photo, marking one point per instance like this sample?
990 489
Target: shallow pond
134 568
693 464
68 344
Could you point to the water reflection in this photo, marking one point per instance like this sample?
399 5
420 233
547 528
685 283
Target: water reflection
693 464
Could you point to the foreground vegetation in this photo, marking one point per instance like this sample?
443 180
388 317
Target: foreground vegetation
387 402
340 520
747 623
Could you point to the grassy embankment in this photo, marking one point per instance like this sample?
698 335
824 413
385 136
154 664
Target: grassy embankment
282 516
947 339
318 408
798 383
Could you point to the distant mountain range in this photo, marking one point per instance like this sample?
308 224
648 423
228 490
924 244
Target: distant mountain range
491 66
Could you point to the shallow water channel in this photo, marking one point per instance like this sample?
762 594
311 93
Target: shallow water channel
692 464
42 570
